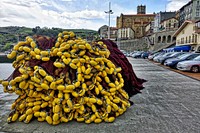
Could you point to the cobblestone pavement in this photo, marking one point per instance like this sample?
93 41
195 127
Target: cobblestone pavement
168 104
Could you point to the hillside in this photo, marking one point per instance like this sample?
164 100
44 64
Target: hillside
12 34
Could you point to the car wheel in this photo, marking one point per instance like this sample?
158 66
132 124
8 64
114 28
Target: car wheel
194 69
174 66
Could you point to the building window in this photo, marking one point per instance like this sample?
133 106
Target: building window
189 39
168 39
174 25
174 39
182 40
197 12
192 38
163 39
195 40
159 39
183 31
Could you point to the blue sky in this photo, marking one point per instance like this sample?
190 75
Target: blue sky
72 14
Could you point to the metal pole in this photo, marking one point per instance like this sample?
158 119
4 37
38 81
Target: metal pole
109 22
109 12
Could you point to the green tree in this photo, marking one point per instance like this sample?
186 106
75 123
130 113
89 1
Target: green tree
35 30
7 46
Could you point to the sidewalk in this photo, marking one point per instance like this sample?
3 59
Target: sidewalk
168 104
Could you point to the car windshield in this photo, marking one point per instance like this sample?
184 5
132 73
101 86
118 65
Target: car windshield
183 56
167 54
173 54
177 54
155 54
161 54
197 58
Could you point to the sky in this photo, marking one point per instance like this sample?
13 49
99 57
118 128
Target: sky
75 14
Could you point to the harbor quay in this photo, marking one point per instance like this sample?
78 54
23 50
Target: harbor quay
169 103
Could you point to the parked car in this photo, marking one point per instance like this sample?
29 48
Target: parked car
172 62
151 56
190 65
171 55
145 55
157 58
137 54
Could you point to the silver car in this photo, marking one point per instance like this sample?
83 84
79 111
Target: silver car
190 65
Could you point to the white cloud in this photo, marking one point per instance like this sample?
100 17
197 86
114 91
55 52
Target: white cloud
66 13
30 13
119 9
175 5
85 14
66 0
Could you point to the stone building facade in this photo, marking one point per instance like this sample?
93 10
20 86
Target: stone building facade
137 22
160 40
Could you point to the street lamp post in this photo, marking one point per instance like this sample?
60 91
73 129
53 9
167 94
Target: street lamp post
109 12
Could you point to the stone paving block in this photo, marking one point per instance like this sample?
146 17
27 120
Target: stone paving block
168 104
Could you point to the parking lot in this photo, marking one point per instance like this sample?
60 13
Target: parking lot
186 63
189 74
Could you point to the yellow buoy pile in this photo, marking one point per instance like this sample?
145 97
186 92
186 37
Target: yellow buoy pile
91 90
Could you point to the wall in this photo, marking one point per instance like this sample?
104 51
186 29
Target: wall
143 44
133 45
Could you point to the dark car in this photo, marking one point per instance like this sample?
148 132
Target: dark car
137 54
172 62
145 55
170 55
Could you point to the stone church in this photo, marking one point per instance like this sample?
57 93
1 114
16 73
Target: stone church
136 22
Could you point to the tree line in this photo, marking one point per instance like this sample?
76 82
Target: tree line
10 35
